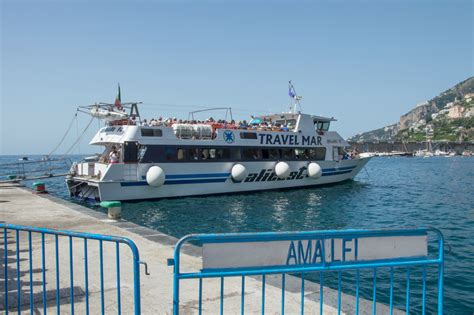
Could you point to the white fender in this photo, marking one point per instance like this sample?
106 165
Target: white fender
282 170
238 172
155 176
314 170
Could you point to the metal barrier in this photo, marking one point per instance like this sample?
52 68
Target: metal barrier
387 254
30 170
64 241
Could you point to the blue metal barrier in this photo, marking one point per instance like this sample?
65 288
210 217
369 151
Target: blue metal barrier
387 268
70 236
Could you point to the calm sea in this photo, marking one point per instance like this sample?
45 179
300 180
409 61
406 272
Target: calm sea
391 192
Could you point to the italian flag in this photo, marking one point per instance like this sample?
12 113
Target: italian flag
118 99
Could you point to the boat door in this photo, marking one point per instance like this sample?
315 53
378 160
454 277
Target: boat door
130 159
130 152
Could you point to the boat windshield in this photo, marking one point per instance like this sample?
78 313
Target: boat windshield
321 125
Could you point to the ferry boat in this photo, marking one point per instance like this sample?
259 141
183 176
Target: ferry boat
175 158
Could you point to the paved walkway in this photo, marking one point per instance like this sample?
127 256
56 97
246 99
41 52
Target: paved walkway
20 206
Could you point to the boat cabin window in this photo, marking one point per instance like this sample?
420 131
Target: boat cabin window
223 154
287 154
180 154
208 154
251 154
160 154
270 154
193 154
248 135
151 132
321 125
170 154
313 154
317 154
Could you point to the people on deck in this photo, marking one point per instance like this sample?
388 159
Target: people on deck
114 155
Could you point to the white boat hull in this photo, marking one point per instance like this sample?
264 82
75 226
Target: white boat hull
127 181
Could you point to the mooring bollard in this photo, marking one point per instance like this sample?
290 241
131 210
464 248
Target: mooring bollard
114 209
39 188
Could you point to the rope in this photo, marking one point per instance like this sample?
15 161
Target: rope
79 138
77 133
64 136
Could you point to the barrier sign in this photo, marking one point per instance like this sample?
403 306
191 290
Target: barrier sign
316 251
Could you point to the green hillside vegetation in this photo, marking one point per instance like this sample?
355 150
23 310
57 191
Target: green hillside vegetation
444 130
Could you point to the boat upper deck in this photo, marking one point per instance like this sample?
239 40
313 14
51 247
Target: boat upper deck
287 129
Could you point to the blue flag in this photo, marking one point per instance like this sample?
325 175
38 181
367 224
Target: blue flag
291 93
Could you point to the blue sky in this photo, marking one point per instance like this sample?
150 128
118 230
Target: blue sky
363 62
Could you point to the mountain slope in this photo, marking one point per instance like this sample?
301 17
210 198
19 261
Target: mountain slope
448 116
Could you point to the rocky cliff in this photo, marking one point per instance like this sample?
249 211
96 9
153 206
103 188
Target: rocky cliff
448 116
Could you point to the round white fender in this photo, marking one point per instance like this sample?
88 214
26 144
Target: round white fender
238 172
314 170
282 170
155 176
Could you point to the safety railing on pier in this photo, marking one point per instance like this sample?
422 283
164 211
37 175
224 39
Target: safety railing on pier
43 269
34 169
351 271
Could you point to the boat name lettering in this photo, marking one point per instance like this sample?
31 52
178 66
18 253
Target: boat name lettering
268 175
112 129
290 139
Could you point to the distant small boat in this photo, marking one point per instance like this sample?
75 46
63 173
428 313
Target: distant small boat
367 154
423 153
440 153
24 158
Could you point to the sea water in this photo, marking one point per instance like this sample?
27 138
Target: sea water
388 193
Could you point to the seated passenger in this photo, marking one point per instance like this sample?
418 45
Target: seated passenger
241 125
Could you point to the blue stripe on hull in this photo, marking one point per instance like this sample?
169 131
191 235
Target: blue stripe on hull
336 173
133 184
187 176
338 169
175 182
221 177
195 181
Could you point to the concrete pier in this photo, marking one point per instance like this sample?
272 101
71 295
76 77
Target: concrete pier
19 206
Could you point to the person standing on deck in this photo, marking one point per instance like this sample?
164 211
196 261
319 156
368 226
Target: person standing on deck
114 155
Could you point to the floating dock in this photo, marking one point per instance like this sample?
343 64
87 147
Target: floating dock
18 205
